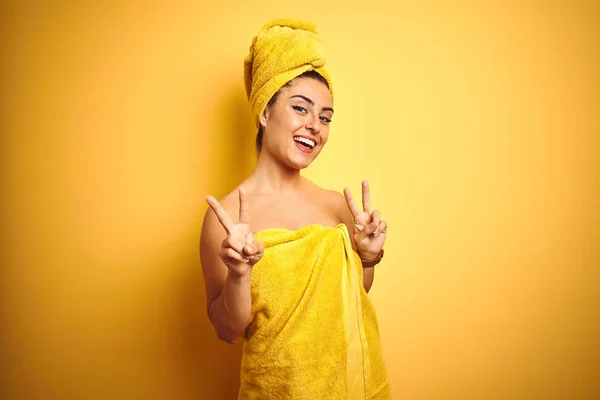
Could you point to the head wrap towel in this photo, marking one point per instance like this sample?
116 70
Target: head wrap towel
282 50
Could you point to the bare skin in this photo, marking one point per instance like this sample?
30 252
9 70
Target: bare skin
275 195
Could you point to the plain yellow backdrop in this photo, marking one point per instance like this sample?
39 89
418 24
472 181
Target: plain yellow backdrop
476 122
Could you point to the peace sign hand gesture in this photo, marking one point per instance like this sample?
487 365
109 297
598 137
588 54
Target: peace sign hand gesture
369 229
239 251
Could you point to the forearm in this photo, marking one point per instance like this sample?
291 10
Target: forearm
230 312
368 276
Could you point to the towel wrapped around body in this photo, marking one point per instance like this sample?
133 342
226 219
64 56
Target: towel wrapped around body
313 332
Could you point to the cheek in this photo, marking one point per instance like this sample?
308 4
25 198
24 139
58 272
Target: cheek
295 121
325 135
287 120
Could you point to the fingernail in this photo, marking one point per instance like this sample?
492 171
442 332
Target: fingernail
375 233
250 248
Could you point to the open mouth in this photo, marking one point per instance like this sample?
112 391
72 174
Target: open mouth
306 143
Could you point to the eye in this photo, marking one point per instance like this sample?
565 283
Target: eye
299 109
325 119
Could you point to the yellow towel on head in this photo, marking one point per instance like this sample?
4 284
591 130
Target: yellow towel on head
282 50
313 333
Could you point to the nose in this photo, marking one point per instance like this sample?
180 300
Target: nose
313 124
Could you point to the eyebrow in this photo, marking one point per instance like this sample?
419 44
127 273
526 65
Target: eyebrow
312 103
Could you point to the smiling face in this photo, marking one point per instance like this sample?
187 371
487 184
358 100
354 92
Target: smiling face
296 125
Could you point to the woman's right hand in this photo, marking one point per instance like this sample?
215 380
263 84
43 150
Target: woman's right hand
239 251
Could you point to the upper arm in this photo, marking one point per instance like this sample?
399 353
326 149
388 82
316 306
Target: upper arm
213 268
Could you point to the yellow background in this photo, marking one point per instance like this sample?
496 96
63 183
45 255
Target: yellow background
477 124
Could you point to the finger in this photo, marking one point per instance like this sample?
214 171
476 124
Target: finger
375 218
249 238
383 227
366 197
235 243
248 248
351 204
368 230
260 249
254 259
255 249
358 227
234 255
221 214
244 206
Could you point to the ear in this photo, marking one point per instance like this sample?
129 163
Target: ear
264 116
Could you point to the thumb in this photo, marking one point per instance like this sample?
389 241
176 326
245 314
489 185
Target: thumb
364 233
259 249
249 248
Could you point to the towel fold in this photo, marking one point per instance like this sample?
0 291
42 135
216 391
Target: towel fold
313 332
282 50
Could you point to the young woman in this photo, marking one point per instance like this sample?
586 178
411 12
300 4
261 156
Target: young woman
287 265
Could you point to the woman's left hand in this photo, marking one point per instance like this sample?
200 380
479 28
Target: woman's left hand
369 228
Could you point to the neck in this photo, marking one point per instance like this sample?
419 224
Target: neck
270 177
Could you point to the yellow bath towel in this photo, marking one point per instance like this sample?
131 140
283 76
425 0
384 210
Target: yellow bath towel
313 333
282 50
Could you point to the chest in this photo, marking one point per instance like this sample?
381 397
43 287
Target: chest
291 213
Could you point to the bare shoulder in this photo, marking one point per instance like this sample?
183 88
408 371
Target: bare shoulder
230 204
334 201
337 202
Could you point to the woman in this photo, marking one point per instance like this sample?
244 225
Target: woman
281 269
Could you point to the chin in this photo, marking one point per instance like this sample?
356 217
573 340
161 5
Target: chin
301 162
299 165
298 161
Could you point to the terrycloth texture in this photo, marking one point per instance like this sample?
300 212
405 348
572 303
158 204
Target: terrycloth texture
282 50
313 332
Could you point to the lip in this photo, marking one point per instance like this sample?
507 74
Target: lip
305 150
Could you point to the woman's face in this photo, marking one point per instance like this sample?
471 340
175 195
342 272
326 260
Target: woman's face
296 126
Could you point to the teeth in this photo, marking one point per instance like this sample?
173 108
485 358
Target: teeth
305 141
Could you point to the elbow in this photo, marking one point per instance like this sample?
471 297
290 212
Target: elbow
227 329
228 336
228 339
